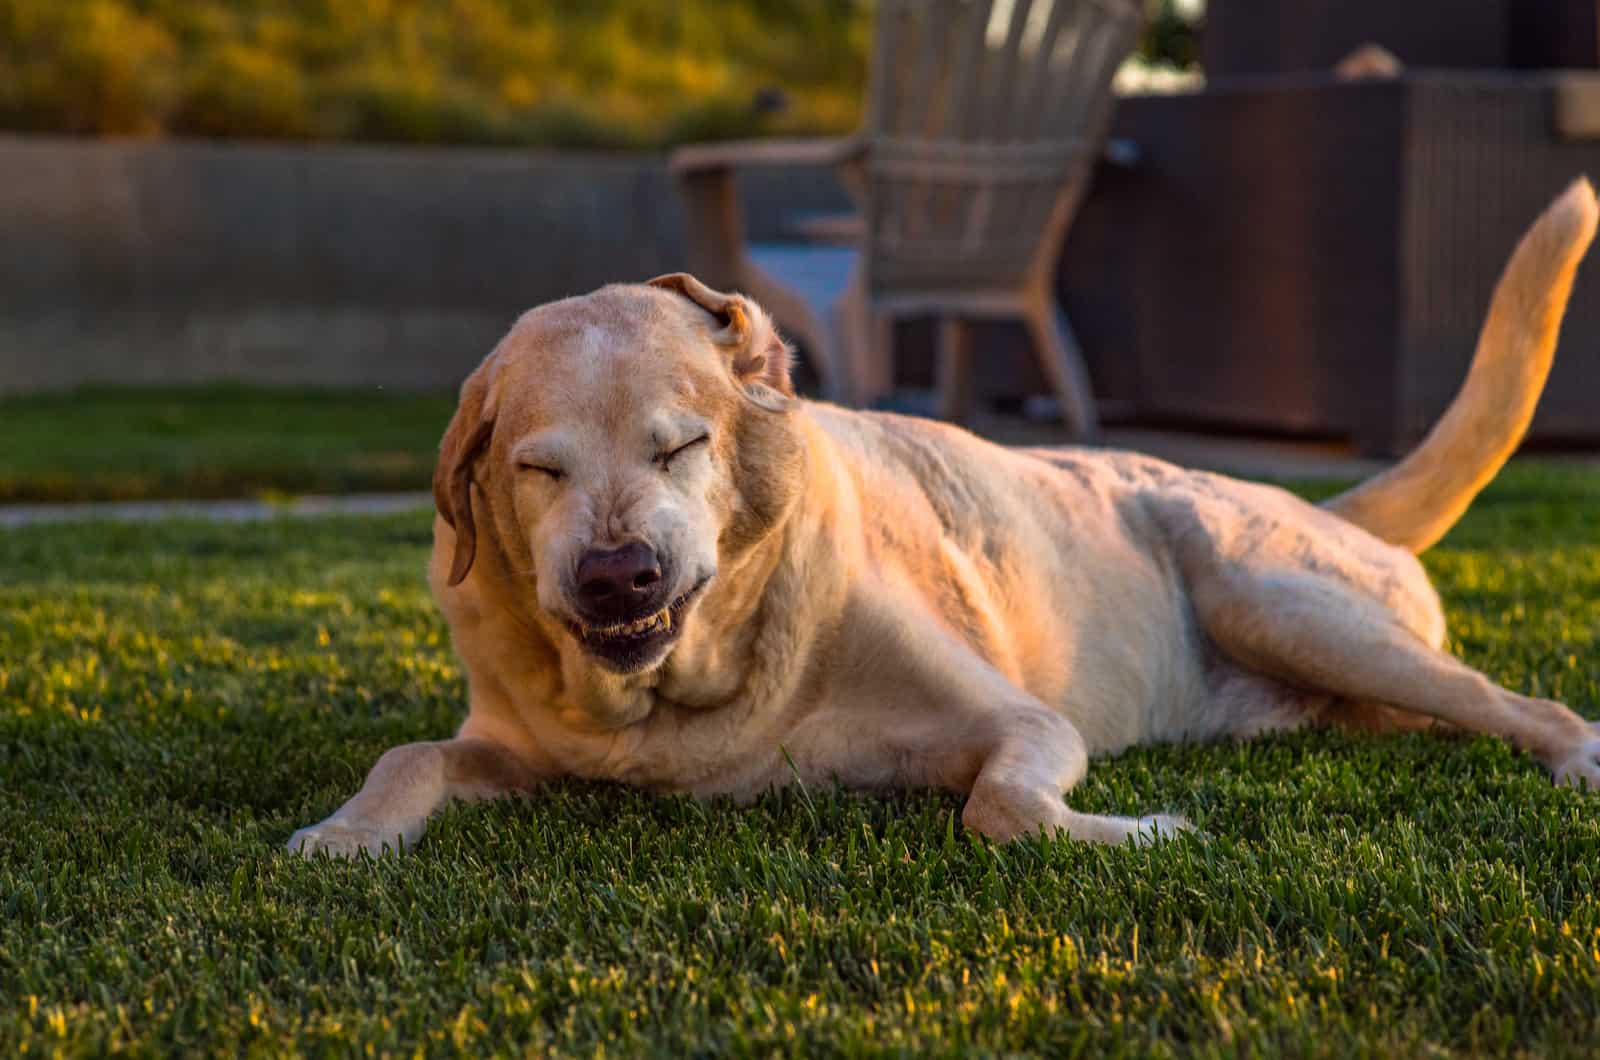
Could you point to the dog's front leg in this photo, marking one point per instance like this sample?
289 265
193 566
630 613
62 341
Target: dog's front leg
1036 758
407 785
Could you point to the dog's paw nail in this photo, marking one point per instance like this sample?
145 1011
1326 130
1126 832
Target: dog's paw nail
340 839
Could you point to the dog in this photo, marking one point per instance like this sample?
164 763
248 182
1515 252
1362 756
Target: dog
661 567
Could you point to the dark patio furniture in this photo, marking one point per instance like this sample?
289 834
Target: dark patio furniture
1310 255
1248 37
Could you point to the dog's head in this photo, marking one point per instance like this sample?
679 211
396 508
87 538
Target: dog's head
622 447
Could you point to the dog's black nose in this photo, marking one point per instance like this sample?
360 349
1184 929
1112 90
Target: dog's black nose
621 582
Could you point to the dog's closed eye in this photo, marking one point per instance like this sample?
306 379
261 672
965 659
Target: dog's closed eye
665 459
554 473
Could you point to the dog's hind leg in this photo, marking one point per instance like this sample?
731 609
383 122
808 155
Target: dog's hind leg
1315 631
1375 717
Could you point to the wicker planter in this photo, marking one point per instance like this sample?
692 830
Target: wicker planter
1273 36
1314 256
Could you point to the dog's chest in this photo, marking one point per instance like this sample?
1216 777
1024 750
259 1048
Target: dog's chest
720 751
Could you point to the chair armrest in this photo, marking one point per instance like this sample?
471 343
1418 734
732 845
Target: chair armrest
729 155
836 229
704 174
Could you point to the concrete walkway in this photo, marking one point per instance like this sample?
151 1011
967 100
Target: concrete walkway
1275 460
233 511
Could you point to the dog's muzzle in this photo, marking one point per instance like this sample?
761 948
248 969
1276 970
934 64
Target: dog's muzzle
632 642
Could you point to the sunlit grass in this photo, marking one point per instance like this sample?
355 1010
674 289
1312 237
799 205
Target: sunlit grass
175 699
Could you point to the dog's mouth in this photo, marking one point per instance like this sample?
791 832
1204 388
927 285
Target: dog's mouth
630 646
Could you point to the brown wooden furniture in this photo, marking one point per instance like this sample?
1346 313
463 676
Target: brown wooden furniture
1301 254
1250 37
983 122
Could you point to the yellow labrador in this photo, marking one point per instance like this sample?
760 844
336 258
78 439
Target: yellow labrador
660 567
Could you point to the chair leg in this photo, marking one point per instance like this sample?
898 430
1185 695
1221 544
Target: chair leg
867 342
1063 365
795 315
955 369
880 381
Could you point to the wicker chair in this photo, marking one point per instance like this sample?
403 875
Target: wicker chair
984 120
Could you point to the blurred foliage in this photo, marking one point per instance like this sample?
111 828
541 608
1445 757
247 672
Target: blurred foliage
1172 33
563 73
586 73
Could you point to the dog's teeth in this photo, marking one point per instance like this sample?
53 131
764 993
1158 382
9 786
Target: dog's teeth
659 622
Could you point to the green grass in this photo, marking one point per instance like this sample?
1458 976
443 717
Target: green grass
216 441
176 698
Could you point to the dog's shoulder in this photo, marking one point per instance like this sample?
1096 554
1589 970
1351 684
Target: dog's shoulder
935 455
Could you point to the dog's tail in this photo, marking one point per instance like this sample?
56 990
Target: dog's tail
1415 502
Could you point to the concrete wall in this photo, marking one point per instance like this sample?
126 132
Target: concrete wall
177 262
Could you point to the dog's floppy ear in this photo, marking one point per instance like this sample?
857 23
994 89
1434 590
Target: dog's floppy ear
467 436
759 357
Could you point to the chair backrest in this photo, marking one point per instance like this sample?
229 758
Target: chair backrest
984 119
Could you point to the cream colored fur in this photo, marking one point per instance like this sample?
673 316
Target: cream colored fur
887 601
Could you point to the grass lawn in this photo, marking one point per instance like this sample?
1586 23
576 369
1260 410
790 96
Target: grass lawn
124 443
176 698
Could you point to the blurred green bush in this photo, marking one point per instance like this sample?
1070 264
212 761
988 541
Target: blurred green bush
569 73
559 73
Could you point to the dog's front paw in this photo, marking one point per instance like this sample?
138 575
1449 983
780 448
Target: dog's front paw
1156 826
1004 812
1581 767
346 839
